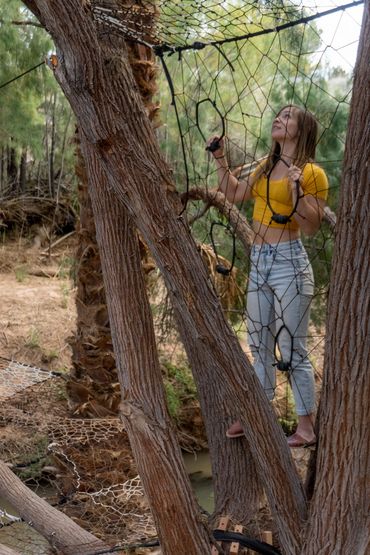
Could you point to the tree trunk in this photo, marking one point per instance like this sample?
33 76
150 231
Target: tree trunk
52 147
5 550
23 171
93 362
57 528
340 518
152 436
237 490
110 113
12 169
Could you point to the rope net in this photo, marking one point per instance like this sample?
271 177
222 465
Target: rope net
228 68
16 376
192 25
83 467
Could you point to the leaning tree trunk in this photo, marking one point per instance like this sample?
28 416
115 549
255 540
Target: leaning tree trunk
152 436
112 118
61 532
340 517
94 374
147 422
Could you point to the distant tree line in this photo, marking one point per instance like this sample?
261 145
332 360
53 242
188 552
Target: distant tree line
36 123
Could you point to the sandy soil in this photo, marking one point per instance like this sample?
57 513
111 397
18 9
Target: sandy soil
37 316
37 313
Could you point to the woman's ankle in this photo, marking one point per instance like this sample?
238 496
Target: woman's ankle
235 430
305 426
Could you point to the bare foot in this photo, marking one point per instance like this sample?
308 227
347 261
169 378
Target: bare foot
296 440
235 430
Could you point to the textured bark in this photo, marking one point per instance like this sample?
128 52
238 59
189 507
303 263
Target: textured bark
110 114
5 550
152 436
340 519
56 527
93 387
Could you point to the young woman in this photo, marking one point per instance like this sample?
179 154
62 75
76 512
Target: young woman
289 193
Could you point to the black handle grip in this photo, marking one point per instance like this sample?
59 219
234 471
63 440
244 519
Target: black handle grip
280 218
215 145
222 270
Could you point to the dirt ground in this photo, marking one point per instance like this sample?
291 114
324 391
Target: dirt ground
38 315
37 304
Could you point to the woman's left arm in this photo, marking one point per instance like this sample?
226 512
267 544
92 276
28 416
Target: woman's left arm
310 210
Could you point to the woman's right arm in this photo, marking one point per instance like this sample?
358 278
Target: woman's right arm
234 190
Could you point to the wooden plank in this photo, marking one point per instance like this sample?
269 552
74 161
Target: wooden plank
267 536
222 525
234 547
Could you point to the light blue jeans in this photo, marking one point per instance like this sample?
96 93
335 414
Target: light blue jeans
278 308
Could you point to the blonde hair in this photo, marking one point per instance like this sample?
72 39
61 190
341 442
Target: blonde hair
306 143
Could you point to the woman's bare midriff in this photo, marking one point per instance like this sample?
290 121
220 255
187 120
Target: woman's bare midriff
273 235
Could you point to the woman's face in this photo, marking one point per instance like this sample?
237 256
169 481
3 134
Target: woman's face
285 125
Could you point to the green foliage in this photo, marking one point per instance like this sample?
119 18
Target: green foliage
33 338
20 273
246 85
30 468
50 355
173 400
179 387
21 47
288 419
66 291
32 105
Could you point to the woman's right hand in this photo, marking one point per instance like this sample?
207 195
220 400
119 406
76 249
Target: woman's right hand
215 145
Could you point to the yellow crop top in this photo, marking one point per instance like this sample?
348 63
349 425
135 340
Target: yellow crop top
314 182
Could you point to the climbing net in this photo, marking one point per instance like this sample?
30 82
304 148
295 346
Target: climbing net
177 26
228 68
83 467
16 376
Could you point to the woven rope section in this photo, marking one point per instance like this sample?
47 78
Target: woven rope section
16 376
200 22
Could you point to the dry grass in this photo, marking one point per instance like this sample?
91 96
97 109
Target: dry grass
38 313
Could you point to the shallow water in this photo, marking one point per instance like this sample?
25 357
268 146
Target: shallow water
24 539
20 536
198 466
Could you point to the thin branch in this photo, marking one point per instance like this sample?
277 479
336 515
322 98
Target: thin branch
237 221
32 6
23 23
